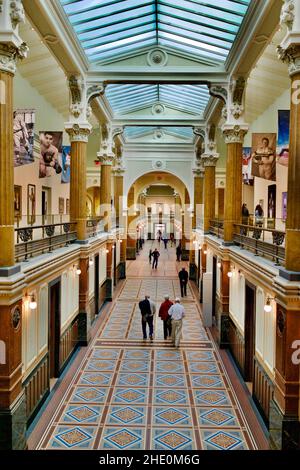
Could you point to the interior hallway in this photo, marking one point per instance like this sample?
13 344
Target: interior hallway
126 393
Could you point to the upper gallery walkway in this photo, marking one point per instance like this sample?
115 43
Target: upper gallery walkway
121 392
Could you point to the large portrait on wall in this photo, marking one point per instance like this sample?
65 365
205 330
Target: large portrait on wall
50 153
264 156
283 137
31 204
272 201
18 202
247 166
23 138
66 164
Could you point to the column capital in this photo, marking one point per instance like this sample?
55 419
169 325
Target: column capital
82 93
210 159
12 48
119 171
106 159
289 49
291 56
234 134
78 132
198 172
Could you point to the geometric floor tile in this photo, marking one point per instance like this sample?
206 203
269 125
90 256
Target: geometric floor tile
129 395
127 415
99 353
224 440
137 355
82 413
168 355
211 397
95 378
169 366
172 416
203 367
173 440
133 379
217 417
101 365
70 437
170 396
208 381
200 355
122 439
170 380
89 394
134 366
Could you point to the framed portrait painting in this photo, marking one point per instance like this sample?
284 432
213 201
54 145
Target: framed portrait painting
18 202
31 204
61 205
67 206
264 156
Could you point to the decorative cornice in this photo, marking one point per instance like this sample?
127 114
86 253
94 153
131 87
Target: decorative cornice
210 159
234 134
290 56
78 132
10 54
218 92
106 159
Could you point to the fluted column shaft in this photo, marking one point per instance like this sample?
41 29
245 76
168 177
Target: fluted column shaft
7 252
78 187
209 195
233 190
105 194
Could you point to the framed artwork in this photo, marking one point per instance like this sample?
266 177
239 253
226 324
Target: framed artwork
61 205
272 201
264 156
23 128
31 204
247 166
284 206
50 153
18 201
66 164
67 206
283 137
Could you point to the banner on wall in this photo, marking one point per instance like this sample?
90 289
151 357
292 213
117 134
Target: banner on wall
65 164
247 166
23 129
50 153
283 137
264 155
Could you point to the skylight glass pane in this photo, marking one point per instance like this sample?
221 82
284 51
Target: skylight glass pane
204 29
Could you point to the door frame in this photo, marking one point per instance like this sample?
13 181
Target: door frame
250 322
214 286
96 283
54 324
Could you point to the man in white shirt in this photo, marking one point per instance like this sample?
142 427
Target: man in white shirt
177 313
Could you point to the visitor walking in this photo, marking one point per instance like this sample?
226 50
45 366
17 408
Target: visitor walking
148 309
176 313
165 240
155 255
178 252
183 278
164 315
150 256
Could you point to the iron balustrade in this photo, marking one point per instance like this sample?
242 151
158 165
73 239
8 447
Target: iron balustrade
94 226
263 241
37 239
217 227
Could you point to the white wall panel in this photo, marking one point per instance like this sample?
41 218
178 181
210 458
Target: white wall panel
43 318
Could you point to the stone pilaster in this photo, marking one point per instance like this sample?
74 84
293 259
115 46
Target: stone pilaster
209 163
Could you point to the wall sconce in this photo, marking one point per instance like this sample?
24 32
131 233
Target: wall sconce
106 251
268 307
78 270
205 252
32 302
91 262
120 241
230 274
219 264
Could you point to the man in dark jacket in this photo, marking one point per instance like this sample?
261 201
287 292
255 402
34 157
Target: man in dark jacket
147 308
155 255
164 315
183 277
178 252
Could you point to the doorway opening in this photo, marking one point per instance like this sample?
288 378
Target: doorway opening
54 330
96 284
250 297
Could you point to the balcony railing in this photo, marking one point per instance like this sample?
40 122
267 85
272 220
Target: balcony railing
37 239
94 226
217 227
263 241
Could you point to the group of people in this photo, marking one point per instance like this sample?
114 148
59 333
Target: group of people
171 315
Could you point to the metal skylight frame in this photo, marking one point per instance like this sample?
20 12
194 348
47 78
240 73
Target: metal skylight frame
135 132
112 29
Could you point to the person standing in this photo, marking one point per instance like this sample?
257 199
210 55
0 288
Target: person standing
155 255
183 278
150 255
148 309
176 313
178 252
165 240
164 315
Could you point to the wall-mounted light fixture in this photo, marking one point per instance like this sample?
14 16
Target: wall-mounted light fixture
91 262
106 251
78 270
268 307
219 264
32 302
230 274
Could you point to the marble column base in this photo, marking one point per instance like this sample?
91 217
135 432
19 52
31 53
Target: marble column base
122 270
289 275
108 295
13 425
130 253
193 272
223 330
84 327
284 431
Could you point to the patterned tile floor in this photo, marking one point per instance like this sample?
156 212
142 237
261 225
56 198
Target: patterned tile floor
134 394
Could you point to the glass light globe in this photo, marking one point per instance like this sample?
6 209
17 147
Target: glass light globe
32 304
78 271
229 274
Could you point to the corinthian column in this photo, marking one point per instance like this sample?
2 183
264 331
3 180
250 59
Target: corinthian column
209 159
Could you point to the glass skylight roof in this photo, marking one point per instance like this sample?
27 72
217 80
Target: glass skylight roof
109 29
134 132
129 98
